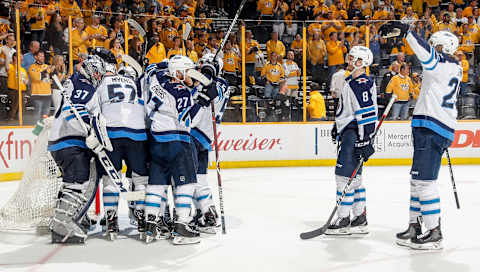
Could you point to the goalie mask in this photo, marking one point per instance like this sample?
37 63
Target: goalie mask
447 40
361 53
93 69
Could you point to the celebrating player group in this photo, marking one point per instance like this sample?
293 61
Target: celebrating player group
433 124
159 123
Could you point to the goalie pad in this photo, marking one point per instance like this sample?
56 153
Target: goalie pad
98 137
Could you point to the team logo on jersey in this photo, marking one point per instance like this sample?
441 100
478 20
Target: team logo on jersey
362 80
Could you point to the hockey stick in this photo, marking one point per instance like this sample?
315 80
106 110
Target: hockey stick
215 138
219 177
320 231
102 155
453 179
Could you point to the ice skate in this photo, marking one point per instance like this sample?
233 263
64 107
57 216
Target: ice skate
150 228
359 224
184 235
140 217
404 238
112 225
340 227
431 240
208 222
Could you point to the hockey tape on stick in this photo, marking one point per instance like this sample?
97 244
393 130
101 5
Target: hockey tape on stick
186 32
199 77
132 62
137 26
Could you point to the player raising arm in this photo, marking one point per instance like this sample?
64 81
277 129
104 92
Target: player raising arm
433 127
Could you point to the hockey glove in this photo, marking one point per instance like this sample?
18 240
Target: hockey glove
364 149
207 94
93 143
210 69
334 134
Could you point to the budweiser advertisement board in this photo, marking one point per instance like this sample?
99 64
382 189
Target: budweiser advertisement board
270 142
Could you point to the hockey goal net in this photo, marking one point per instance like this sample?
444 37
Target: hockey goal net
32 205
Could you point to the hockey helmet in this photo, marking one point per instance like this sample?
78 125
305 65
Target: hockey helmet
448 41
128 71
363 53
179 63
93 68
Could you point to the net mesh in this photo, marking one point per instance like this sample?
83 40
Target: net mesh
33 204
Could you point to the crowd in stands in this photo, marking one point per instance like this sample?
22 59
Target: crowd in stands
273 46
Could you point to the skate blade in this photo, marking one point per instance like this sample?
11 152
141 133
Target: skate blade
428 246
112 236
338 232
402 242
163 236
149 239
360 230
181 240
208 230
142 235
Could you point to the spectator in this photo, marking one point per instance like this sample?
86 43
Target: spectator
335 51
458 18
394 70
54 35
316 107
445 24
212 47
251 49
278 15
201 43
465 65
290 27
410 17
191 53
96 32
6 53
468 11
107 44
292 74
265 7
79 39
274 74
58 69
297 47
231 63
177 49
70 8
417 84
330 26
168 35
274 45
157 52
117 51
316 52
29 58
402 86
13 85
355 10
41 86
467 39
135 49
315 27
37 16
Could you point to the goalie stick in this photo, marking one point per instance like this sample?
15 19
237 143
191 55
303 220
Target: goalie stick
321 230
102 155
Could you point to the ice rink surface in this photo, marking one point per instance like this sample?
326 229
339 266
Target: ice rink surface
266 210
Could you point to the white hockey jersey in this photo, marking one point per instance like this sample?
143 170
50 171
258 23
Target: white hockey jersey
170 108
203 130
357 106
122 105
66 130
436 105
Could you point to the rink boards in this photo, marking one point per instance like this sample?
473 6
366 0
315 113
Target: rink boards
275 144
